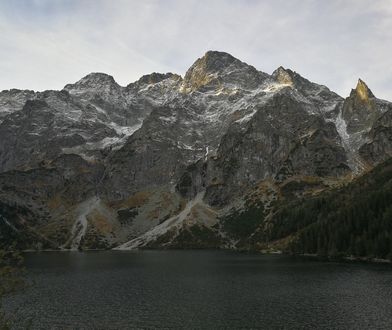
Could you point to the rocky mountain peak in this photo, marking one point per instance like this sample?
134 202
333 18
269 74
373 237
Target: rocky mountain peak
214 61
94 80
362 91
290 77
317 93
216 69
283 76
156 77
360 109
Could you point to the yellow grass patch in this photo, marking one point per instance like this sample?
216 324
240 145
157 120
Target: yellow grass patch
56 202
135 200
100 222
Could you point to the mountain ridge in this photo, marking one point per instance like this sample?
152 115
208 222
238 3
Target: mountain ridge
99 165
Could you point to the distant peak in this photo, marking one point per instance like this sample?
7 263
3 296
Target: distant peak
214 54
283 76
363 91
93 80
214 61
281 69
14 91
98 77
155 77
214 68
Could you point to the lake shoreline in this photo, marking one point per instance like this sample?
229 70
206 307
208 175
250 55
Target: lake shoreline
342 259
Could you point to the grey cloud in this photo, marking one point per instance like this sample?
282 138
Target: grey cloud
46 44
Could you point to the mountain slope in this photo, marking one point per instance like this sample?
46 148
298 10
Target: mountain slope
355 220
165 159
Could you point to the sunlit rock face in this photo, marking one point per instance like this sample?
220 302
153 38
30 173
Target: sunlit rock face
221 71
102 165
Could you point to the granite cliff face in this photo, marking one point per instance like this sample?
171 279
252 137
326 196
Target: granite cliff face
177 162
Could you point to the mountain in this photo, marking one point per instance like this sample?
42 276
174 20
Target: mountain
200 161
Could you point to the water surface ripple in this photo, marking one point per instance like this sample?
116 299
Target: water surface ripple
201 290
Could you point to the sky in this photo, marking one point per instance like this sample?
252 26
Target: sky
45 44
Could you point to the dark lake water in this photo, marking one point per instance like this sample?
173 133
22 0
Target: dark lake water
201 290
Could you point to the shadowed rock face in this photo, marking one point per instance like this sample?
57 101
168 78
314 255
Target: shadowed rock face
13 100
360 109
281 140
379 147
124 161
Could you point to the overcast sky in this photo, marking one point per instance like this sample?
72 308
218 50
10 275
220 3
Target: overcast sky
45 44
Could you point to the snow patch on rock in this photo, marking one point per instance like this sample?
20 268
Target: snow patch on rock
351 143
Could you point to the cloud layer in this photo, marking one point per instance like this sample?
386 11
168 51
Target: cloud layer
48 43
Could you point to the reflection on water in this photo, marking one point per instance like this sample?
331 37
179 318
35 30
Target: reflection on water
201 289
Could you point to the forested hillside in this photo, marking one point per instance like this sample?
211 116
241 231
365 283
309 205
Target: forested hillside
355 220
